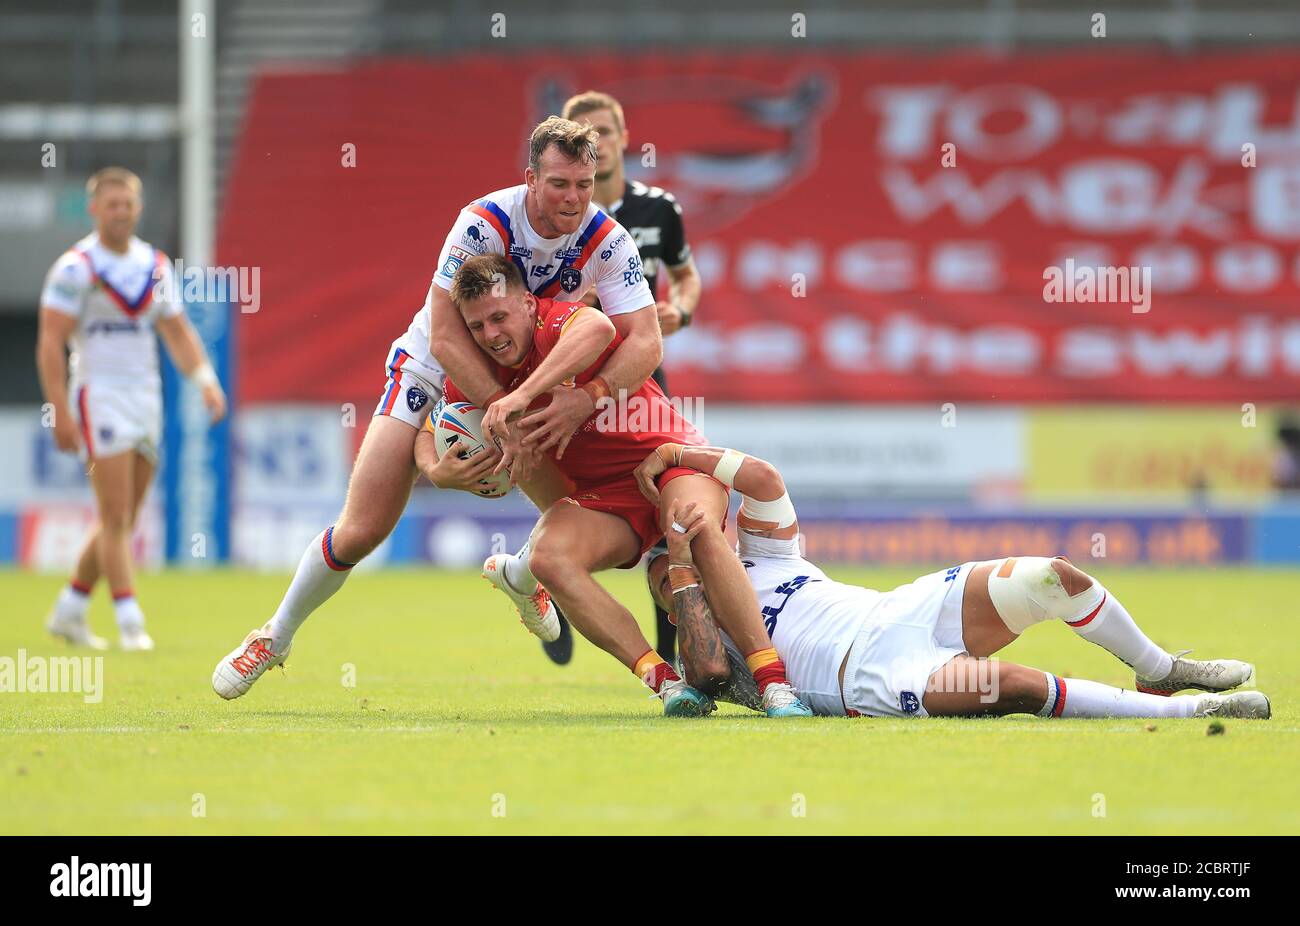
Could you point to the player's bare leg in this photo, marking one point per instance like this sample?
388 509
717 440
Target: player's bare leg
731 596
1005 597
570 544
377 494
68 618
970 687
114 480
86 572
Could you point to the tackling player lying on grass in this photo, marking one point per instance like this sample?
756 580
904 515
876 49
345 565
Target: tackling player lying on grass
920 650
537 345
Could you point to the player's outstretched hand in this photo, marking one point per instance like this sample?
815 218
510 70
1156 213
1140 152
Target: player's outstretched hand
554 426
684 523
214 400
452 472
652 467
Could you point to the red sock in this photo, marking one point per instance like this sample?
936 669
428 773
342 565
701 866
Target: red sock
652 670
766 666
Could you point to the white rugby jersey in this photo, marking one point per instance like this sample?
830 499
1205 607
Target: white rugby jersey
116 301
600 254
811 618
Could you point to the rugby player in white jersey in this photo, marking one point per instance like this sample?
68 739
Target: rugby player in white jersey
105 297
919 650
563 246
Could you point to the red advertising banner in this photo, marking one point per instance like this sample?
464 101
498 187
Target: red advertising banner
877 227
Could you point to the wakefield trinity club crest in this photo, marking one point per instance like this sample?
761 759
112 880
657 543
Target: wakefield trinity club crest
416 398
570 279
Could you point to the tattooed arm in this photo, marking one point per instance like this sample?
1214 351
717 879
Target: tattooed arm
700 642
698 639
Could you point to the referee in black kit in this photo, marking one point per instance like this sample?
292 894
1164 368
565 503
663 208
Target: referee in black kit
654 220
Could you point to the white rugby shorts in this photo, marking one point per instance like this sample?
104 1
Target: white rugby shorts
910 633
411 390
116 419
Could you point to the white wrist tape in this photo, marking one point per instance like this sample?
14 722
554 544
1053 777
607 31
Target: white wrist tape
780 510
725 471
204 375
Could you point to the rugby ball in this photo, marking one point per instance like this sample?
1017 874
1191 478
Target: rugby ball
461 423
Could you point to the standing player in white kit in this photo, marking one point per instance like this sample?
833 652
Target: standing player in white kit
106 297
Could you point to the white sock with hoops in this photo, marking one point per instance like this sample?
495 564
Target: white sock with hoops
320 574
1078 697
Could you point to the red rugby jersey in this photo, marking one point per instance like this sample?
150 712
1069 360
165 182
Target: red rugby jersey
613 441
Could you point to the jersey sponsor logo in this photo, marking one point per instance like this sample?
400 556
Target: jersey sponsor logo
785 589
908 702
570 279
452 264
523 253
542 270
65 289
126 326
646 237
568 254
633 274
416 398
475 238
609 251
951 573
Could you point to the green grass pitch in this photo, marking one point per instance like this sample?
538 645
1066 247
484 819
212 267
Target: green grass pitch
458 724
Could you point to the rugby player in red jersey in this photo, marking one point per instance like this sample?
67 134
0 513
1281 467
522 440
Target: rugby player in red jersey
538 345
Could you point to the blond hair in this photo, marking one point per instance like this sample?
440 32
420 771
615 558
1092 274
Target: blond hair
485 275
576 142
107 175
592 101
